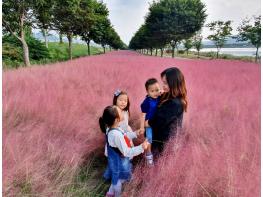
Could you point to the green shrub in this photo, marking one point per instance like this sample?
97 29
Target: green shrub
12 52
37 50
180 51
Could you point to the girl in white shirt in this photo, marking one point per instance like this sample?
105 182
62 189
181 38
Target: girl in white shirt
122 101
119 150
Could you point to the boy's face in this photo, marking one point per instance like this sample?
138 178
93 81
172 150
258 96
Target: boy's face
154 90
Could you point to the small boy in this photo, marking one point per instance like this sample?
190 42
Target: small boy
148 108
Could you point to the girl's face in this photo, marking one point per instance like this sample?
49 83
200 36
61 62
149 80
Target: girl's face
122 101
165 84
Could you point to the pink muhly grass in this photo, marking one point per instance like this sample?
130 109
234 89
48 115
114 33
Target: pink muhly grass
50 124
217 153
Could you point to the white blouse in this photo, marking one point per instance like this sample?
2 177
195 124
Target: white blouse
124 125
116 139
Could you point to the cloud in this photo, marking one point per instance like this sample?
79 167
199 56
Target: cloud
128 15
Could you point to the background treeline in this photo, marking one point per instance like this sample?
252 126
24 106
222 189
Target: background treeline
170 23
87 19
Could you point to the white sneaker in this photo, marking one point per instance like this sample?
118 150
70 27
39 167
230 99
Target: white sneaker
149 159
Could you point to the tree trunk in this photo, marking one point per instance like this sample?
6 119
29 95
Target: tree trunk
69 36
256 55
104 51
23 40
198 53
110 48
217 53
60 38
173 52
25 48
25 53
151 51
88 44
161 52
156 50
187 52
44 32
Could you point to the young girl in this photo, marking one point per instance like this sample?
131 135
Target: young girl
122 101
119 150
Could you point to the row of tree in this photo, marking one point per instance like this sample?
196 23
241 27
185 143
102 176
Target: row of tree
171 22
85 18
249 30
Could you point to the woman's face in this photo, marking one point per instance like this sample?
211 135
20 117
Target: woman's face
165 84
122 101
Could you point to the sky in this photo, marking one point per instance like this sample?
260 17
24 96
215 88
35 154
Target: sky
128 15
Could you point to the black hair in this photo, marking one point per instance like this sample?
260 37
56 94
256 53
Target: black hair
149 82
108 118
176 83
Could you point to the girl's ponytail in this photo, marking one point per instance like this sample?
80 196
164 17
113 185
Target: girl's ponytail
108 118
102 125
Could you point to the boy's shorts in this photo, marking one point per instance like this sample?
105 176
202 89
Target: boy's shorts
149 134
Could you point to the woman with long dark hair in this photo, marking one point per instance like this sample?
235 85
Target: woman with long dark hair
173 103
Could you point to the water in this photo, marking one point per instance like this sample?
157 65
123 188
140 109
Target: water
234 51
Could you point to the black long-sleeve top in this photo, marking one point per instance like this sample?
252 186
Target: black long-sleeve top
167 118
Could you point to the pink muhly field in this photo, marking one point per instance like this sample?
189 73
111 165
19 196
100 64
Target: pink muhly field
50 125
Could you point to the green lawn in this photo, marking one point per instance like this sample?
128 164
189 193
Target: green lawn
58 52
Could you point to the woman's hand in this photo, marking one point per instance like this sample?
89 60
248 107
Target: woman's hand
145 144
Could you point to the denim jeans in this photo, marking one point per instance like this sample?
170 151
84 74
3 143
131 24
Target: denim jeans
149 134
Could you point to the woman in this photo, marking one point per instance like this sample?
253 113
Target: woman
173 103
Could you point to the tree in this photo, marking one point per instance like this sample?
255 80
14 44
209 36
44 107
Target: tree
91 13
221 31
65 18
188 44
60 38
43 14
114 40
17 17
101 31
197 42
143 39
251 33
174 20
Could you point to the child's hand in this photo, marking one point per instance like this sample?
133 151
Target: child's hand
145 144
140 131
146 123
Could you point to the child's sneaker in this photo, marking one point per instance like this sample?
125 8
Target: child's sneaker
149 159
109 194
